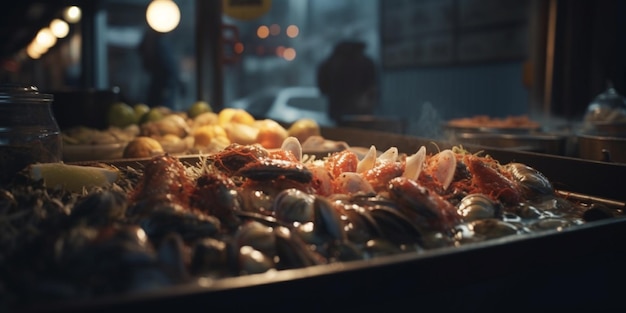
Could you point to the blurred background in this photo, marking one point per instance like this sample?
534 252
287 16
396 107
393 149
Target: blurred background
434 60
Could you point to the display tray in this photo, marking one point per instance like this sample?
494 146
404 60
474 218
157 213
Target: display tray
578 269
90 152
573 268
448 127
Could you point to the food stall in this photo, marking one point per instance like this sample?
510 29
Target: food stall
187 210
556 266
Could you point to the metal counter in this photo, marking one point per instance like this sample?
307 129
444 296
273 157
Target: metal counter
576 268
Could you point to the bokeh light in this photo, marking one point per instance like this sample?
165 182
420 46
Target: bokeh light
292 31
238 48
263 31
274 29
72 14
45 38
163 15
289 54
59 28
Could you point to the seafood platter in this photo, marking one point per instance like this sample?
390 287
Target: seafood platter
518 132
390 222
488 124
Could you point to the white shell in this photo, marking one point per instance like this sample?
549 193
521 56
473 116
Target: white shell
293 144
352 183
445 165
414 164
368 161
391 155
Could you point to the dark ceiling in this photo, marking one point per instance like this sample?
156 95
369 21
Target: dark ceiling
20 22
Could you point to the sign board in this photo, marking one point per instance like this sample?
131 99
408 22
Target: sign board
246 9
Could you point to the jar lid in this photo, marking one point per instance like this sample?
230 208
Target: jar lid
16 93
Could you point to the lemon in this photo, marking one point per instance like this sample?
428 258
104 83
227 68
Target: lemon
242 116
143 147
233 115
140 110
198 108
304 128
204 135
153 115
121 115
271 134
73 177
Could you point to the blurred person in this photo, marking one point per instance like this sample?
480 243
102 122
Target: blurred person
348 79
159 61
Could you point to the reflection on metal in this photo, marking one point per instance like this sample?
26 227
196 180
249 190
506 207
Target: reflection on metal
550 57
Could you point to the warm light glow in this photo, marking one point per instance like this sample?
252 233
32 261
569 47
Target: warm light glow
59 28
163 15
289 54
274 29
33 54
252 253
292 31
263 31
280 50
45 38
141 235
238 48
37 48
35 51
72 14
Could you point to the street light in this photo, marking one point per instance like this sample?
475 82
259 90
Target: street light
163 15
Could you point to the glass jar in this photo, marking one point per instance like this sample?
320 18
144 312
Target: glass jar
29 132
606 114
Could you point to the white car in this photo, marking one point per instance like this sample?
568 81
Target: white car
287 105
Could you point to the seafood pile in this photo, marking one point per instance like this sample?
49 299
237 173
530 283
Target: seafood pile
247 209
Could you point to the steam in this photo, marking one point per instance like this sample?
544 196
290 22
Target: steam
427 123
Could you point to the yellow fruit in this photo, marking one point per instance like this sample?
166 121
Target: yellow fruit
204 135
121 115
73 177
143 147
241 133
198 108
173 144
206 118
140 109
304 128
243 117
225 115
271 134
153 115
232 115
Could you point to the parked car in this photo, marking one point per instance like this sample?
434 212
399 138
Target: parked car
287 105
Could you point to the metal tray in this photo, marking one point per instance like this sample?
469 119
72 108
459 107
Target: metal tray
575 268
454 129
